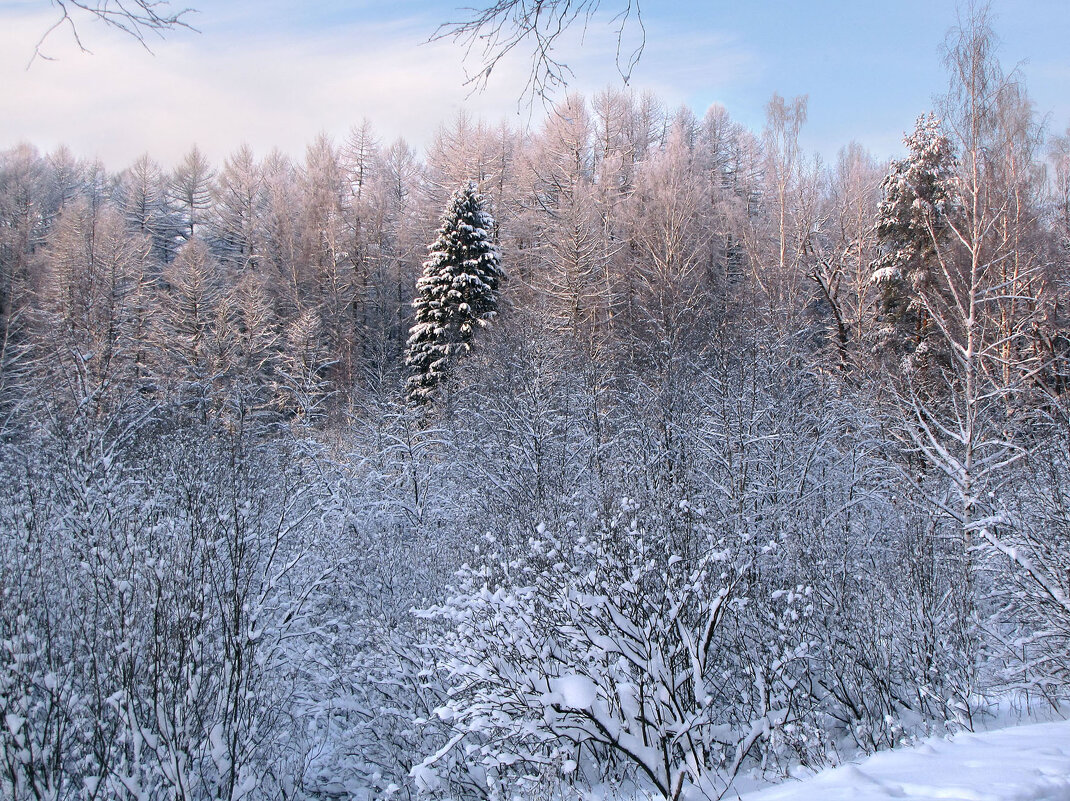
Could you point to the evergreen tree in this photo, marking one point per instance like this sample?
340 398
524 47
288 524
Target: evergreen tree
457 293
920 197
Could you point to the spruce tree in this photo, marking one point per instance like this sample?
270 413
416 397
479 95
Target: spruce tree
456 295
920 198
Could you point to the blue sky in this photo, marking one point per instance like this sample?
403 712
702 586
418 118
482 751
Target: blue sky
275 73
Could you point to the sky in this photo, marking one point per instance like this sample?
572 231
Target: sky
275 73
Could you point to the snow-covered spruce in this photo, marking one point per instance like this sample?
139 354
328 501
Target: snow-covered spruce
456 295
920 197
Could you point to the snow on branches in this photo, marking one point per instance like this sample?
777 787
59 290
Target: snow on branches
609 650
456 295
920 194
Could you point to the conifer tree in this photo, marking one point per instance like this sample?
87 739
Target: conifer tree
920 197
456 295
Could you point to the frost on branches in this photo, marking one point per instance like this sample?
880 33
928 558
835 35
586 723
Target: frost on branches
158 598
616 657
919 197
456 295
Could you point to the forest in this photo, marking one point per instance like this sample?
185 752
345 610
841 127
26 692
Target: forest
721 461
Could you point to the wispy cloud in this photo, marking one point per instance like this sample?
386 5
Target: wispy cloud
271 86
276 72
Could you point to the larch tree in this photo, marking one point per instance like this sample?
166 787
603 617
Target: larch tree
456 295
361 163
238 201
91 296
280 228
191 329
669 232
326 263
21 233
65 178
191 191
563 219
142 198
401 241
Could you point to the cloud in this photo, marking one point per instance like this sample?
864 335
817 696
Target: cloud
270 85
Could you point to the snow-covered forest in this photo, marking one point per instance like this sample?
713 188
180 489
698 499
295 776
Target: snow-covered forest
637 451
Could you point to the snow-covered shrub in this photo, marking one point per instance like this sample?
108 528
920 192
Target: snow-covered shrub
371 695
610 656
159 615
1032 528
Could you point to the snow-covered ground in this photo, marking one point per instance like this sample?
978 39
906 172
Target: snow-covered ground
1024 763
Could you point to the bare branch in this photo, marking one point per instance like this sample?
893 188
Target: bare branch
490 33
135 18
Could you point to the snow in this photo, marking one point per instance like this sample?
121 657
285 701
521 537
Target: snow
1016 764
577 692
882 274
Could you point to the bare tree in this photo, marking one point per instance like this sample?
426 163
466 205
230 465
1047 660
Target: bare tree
840 249
784 169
